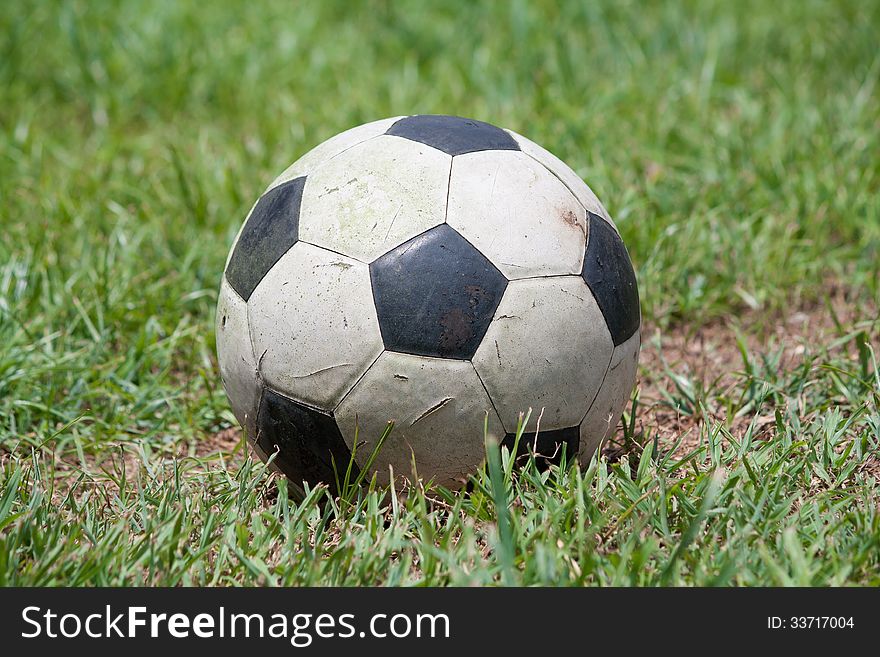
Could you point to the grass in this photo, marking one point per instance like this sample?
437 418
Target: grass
735 144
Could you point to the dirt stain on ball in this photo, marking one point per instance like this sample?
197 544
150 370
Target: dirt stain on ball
570 218
456 329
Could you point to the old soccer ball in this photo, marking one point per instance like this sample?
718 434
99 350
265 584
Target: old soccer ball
430 271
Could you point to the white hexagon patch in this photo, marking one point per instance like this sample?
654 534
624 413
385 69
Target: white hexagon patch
438 406
238 368
565 173
605 411
314 325
517 213
547 347
375 196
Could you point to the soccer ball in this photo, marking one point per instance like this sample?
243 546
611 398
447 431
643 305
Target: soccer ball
437 272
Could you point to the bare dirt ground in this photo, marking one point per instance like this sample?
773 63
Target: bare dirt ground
710 358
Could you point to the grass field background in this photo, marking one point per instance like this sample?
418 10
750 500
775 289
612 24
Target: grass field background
737 146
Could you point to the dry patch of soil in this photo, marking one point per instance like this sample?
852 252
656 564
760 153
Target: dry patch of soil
710 359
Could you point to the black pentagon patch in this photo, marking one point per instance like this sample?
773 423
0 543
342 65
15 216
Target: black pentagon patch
435 295
271 230
609 273
453 134
308 442
548 448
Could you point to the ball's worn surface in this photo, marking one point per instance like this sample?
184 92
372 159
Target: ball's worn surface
428 270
